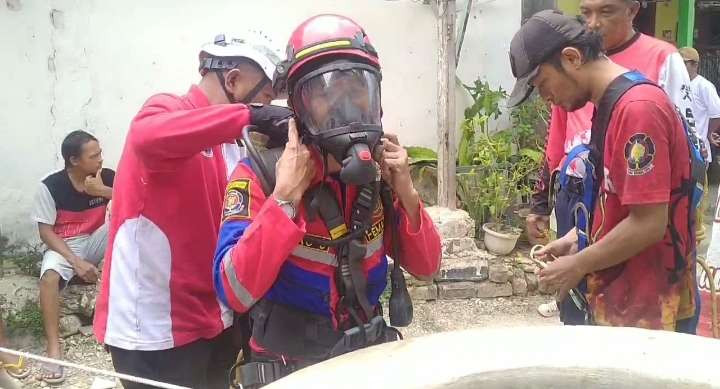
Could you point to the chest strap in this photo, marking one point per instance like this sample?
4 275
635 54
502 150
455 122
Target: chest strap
351 253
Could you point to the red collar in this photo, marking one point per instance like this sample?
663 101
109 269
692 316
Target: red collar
197 97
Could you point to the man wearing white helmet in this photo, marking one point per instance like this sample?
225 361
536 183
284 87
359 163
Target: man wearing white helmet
157 311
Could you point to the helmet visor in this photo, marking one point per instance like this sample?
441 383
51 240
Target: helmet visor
335 98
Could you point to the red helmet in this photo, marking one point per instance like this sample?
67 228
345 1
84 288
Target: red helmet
319 37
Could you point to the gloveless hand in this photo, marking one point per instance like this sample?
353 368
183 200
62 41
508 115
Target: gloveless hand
567 245
85 270
561 275
295 169
394 166
94 185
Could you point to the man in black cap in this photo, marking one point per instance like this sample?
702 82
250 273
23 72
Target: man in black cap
633 274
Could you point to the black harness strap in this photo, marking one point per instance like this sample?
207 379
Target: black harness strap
600 122
352 255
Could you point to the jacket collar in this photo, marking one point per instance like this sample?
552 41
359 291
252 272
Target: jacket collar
197 97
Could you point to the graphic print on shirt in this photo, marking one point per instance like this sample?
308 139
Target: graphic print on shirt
639 153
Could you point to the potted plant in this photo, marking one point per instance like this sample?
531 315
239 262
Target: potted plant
497 183
494 170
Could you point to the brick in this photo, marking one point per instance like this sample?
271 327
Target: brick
492 290
499 273
519 284
452 223
424 293
457 290
454 269
415 282
532 282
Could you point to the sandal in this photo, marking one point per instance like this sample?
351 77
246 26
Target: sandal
52 374
16 370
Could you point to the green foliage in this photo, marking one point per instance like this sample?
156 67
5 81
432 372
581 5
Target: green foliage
502 162
486 101
494 169
27 321
26 256
526 119
419 155
485 107
498 180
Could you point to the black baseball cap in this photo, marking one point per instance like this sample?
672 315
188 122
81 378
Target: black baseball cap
541 36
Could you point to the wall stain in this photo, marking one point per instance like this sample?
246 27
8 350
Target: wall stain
13 5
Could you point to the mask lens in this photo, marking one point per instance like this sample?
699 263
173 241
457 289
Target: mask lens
339 97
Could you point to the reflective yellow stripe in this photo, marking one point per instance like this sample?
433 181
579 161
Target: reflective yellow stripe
322 46
338 231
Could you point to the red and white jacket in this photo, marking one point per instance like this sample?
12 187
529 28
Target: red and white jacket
157 289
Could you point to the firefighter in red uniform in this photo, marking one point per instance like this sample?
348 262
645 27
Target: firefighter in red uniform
306 257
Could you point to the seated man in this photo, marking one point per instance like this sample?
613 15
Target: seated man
70 211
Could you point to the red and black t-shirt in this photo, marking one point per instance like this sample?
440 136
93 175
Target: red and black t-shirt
646 157
71 213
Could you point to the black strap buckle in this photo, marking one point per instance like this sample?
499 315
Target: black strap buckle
360 336
258 374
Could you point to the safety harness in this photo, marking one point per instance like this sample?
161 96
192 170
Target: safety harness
301 338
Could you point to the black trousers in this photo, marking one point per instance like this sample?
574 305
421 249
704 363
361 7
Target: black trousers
202 364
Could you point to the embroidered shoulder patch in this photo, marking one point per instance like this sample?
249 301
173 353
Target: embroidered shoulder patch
237 200
639 153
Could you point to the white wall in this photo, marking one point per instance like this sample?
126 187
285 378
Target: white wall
90 64
484 54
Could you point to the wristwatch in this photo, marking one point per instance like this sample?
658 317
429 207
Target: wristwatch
287 207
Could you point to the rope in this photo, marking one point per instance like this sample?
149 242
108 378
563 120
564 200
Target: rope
538 262
93 370
574 294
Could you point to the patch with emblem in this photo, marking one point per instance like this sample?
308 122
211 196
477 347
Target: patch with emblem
639 153
237 200
208 153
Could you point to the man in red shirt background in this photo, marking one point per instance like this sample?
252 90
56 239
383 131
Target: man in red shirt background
646 157
654 58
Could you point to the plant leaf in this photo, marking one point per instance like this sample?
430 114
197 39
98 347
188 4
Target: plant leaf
418 154
534 155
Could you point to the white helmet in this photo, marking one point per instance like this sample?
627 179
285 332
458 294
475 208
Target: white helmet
226 53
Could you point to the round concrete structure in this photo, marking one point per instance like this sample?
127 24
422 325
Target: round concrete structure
525 357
